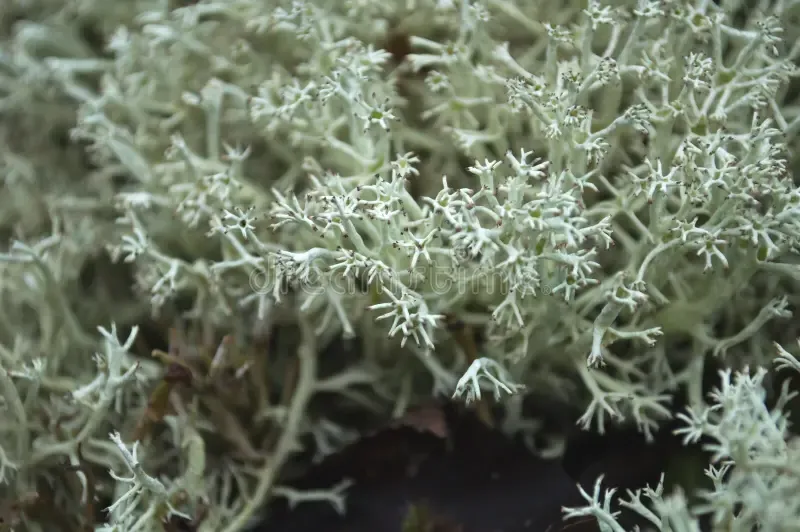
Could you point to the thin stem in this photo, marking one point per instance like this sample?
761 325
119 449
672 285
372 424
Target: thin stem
304 390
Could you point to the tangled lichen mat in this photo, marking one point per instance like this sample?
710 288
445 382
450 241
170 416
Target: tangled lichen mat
241 236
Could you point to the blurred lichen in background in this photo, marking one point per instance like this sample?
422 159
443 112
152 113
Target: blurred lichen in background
200 199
